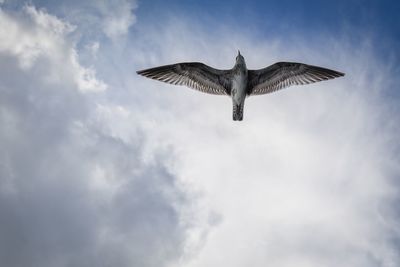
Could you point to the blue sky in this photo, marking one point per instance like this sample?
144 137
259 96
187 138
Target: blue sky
285 17
102 167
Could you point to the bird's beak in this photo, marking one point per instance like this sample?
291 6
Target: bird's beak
238 52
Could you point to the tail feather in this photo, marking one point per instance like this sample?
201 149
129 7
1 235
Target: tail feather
237 112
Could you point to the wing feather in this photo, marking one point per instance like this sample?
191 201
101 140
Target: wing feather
285 74
192 74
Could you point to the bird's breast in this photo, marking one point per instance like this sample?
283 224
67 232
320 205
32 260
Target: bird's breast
239 84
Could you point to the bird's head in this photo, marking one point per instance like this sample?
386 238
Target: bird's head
240 59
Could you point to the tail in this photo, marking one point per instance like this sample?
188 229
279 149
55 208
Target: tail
238 112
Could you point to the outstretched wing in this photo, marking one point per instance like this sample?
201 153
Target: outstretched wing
285 74
194 75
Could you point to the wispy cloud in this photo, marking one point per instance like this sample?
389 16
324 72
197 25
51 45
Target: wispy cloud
113 18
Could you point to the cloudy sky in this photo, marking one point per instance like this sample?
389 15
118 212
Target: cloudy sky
102 167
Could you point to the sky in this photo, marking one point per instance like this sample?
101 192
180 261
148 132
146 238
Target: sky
102 167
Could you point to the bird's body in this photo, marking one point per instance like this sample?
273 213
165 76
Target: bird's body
238 91
239 82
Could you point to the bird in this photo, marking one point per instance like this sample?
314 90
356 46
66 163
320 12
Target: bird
239 82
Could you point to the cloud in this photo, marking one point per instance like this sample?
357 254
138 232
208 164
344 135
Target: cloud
148 174
121 19
41 37
112 18
72 192
95 20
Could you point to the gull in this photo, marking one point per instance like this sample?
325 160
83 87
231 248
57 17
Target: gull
239 82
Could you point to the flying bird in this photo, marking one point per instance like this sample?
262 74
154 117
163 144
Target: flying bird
239 82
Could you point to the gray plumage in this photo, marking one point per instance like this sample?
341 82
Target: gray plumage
239 82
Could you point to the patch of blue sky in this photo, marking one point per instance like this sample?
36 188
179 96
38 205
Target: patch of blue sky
284 18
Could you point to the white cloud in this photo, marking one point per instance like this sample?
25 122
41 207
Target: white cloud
42 37
113 18
118 20
72 193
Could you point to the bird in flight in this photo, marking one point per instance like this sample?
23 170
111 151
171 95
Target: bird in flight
239 82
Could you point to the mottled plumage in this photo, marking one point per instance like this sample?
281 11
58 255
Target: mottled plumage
239 82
